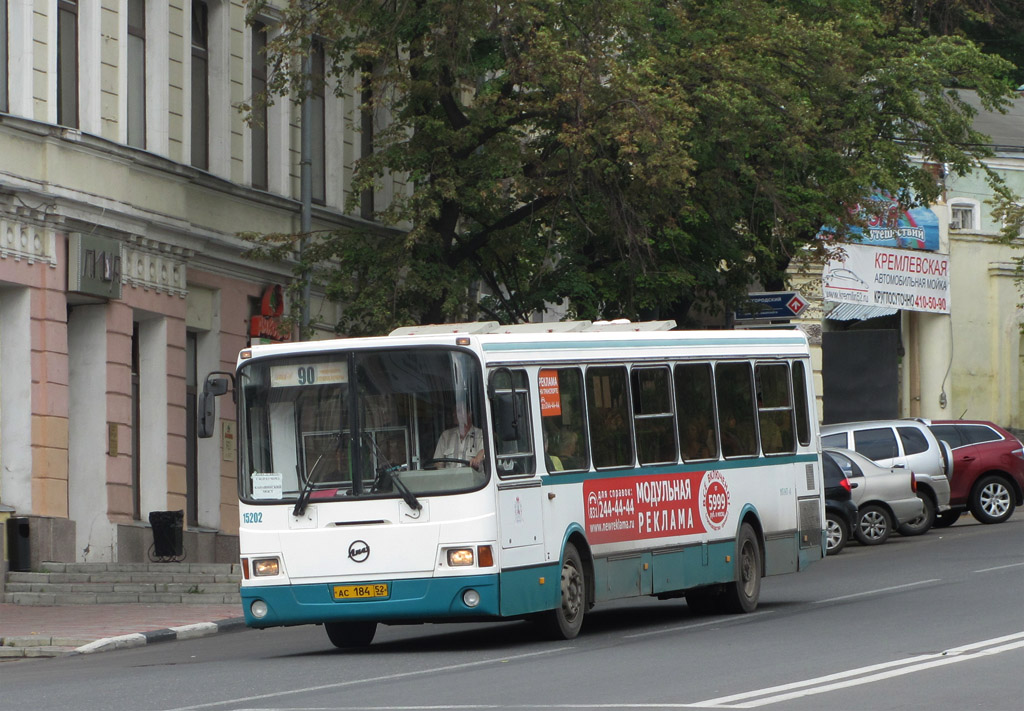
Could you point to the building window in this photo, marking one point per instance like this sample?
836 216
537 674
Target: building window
319 123
259 106
961 217
366 206
67 63
200 85
137 73
4 105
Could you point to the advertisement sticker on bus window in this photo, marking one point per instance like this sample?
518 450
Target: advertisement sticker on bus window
293 375
636 508
267 485
550 397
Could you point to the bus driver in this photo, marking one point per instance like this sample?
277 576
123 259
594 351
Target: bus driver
464 441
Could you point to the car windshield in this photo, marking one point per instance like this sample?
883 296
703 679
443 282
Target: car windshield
358 424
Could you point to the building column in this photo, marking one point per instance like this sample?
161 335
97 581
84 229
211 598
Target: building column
15 393
153 431
1006 361
90 439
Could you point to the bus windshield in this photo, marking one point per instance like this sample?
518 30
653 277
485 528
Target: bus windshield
342 425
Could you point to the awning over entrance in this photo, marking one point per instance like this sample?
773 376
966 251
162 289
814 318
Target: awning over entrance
858 312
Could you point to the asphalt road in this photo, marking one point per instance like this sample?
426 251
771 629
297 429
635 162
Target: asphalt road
930 622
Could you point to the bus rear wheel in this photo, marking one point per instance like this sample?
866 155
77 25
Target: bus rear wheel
565 621
347 635
743 594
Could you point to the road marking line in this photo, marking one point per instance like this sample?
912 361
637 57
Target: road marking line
866 675
876 592
999 567
682 628
374 680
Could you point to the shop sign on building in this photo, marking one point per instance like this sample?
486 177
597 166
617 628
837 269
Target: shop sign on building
890 224
94 266
269 325
889 278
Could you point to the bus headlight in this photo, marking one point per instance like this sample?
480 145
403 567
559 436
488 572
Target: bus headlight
460 557
263 567
258 609
471 598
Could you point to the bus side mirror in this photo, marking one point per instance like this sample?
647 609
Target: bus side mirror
207 414
213 387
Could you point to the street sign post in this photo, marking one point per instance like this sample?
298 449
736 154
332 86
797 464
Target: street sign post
771 305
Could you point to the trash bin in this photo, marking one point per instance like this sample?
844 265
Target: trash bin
167 533
18 551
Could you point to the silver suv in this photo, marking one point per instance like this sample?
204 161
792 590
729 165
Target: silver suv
902 443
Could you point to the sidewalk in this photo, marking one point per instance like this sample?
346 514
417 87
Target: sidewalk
52 631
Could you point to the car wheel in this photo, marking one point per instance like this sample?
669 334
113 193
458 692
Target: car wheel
874 525
992 500
922 523
947 518
836 533
565 621
346 635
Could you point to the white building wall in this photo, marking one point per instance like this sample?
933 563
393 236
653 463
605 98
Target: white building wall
87 435
15 392
153 413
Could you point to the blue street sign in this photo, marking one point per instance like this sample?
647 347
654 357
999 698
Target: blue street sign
771 305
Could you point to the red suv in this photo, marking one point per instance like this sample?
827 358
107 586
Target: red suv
988 470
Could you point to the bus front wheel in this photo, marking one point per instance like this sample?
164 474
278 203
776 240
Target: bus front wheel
346 635
565 621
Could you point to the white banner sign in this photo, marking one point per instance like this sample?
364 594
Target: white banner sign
891 278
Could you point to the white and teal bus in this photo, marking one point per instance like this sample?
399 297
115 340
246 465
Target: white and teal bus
480 472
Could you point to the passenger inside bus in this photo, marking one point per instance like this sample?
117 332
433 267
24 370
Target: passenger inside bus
562 450
699 440
463 442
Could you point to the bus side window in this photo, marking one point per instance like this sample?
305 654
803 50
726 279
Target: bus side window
561 410
513 441
608 413
801 404
736 418
695 403
774 408
653 418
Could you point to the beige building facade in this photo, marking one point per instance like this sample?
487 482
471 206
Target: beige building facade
127 172
964 364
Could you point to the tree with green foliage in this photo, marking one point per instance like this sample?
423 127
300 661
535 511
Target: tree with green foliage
635 158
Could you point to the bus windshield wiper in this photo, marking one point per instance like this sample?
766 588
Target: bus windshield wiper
410 498
390 471
307 488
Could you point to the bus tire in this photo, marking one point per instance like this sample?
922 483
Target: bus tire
742 594
348 635
565 621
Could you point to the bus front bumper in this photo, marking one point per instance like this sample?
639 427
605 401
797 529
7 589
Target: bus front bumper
415 600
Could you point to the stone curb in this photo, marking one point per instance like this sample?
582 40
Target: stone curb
127 641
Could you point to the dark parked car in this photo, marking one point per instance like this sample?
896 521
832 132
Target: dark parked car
840 511
988 470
